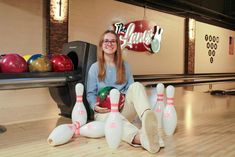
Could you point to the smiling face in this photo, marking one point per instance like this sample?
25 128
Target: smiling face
109 44
110 53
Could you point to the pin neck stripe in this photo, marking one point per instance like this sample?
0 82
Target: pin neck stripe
114 105
160 97
114 110
77 125
79 98
170 101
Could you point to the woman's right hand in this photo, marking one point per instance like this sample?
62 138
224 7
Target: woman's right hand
99 109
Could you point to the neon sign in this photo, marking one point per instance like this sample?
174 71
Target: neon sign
139 36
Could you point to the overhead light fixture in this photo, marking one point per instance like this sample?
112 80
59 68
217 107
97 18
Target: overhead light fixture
192 29
59 10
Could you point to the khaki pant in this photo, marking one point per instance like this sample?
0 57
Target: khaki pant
136 102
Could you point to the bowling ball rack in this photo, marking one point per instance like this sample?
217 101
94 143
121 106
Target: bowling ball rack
36 80
61 85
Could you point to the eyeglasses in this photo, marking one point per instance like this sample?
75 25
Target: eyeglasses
112 42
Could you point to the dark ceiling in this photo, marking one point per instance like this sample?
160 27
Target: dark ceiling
216 12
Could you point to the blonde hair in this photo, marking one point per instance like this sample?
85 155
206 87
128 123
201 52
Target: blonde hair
118 61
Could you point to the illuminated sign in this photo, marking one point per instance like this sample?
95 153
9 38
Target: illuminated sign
139 36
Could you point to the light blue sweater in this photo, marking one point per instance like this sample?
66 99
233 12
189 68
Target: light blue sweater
94 85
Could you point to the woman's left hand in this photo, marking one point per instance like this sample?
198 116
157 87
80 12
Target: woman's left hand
101 109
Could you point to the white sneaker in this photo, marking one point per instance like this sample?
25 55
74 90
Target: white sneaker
148 134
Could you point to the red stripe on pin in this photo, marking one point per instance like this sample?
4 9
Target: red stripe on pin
114 105
77 132
114 110
170 98
79 99
170 101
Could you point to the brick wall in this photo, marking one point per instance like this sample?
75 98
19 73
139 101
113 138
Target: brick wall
57 32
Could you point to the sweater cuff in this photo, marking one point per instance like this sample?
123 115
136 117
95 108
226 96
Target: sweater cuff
93 106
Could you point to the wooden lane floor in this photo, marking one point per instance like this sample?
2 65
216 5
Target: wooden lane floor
206 127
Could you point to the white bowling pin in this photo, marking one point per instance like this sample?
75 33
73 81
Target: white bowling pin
113 124
79 113
94 129
169 114
61 134
159 107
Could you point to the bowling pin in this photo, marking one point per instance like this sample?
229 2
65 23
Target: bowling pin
113 124
79 114
61 134
64 133
159 107
94 129
169 114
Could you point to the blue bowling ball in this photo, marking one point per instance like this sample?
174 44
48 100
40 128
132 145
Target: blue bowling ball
33 58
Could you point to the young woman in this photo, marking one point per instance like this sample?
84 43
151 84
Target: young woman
111 70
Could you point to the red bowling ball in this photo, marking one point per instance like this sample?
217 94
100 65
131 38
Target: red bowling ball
106 102
61 63
13 63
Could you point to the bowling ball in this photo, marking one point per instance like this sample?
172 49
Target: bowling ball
26 57
13 63
61 63
104 92
40 64
104 99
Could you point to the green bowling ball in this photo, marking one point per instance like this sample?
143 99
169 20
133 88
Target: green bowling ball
103 92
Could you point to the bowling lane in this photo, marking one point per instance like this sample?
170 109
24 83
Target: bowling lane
205 128
180 79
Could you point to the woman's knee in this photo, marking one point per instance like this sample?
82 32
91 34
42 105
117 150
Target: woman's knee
136 85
